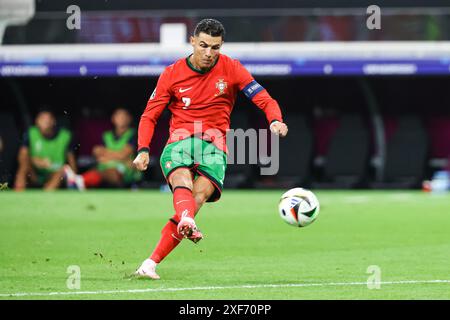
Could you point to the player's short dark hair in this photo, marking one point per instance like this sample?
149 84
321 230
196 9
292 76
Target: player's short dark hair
45 109
121 108
211 27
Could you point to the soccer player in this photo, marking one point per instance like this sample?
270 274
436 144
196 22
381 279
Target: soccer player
200 92
114 158
45 149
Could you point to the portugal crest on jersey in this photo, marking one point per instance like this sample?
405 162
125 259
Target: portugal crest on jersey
221 85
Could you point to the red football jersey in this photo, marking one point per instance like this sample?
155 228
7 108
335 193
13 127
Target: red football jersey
201 102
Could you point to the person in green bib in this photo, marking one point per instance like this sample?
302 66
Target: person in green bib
44 152
114 157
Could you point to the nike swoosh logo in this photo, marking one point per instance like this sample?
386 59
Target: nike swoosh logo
181 201
184 90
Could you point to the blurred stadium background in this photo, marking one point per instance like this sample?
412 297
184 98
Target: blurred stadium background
365 108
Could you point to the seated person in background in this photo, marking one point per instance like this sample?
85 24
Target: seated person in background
44 152
114 157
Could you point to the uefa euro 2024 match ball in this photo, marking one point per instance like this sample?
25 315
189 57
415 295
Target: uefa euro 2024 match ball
299 207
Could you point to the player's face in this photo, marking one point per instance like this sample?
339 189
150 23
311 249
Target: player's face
121 118
206 50
45 121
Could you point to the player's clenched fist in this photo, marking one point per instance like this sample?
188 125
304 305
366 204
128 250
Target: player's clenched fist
141 161
279 128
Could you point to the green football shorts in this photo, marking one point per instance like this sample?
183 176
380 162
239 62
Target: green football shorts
203 158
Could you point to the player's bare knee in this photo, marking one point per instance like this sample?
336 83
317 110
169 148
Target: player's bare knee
181 178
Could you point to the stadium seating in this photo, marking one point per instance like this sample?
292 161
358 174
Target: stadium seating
347 157
88 133
239 175
438 128
295 156
10 141
406 155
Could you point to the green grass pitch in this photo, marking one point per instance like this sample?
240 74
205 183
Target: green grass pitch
248 251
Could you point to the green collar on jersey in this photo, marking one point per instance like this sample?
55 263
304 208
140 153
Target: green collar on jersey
198 70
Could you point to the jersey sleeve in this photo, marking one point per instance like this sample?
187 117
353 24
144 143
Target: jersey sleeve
257 94
156 104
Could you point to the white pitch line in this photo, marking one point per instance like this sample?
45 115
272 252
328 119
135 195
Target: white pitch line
291 285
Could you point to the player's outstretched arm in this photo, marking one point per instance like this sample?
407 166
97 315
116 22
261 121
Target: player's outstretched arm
158 101
279 128
141 161
261 98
